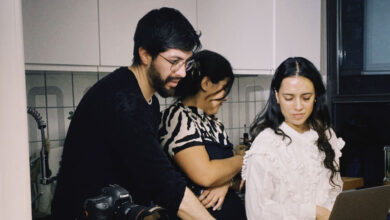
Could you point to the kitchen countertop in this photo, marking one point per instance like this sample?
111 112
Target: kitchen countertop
352 182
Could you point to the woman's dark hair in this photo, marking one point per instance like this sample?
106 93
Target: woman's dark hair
319 120
163 29
206 63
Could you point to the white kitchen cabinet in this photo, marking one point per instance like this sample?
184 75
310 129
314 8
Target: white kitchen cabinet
256 36
61 32
118 20
89 35
298 30
242 31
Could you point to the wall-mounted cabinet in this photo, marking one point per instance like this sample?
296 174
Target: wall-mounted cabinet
242 31
61 32
297 30
255 36
118 20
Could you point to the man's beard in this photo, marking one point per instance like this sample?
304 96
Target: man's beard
158 83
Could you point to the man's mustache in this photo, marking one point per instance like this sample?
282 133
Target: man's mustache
173 79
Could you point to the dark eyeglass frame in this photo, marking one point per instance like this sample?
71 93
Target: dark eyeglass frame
177 64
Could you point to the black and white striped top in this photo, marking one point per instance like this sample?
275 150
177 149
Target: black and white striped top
183 126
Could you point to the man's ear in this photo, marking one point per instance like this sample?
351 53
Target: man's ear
146 59
206 83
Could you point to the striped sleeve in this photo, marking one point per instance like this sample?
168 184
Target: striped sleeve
178 131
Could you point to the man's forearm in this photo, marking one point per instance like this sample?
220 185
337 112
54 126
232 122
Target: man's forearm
191 208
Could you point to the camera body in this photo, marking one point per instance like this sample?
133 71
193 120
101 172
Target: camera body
115 203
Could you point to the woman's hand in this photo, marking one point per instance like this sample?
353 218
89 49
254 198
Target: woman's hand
240 149
242 183
322 213
214 196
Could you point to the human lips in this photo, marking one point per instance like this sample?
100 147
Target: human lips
298 115
173 82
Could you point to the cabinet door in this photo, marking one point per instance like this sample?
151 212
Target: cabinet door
297 30
242 31
187 7
61 32
118 20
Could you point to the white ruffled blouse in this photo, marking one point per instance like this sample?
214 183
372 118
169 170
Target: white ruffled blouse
287 180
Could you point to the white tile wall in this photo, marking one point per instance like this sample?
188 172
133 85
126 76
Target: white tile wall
262 86
235 136
58 122
65 89
59 89
56 144
260 106
227 116
246 90
101 75
247 113
233 95
35 87
82 82
35 148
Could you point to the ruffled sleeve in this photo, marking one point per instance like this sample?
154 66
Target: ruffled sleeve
337 144
260 146
330 192
259 189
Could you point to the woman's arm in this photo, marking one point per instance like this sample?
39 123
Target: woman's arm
196 164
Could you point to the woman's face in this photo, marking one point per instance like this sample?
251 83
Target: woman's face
296 97
214 97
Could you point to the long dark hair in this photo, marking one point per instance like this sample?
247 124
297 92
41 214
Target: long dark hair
206 63
319 120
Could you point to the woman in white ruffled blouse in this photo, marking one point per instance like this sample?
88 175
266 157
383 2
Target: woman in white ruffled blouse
292 167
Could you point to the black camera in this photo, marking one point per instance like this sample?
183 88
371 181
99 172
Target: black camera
115 203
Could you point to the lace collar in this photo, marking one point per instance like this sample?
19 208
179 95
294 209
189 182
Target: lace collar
310 135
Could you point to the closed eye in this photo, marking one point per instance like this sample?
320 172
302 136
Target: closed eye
288 97
306 98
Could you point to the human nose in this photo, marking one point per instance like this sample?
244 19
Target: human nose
181 72
298 104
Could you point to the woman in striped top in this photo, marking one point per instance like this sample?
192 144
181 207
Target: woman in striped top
197 141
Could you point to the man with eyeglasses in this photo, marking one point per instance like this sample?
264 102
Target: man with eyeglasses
113 135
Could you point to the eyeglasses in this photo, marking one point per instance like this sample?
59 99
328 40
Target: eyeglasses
177 64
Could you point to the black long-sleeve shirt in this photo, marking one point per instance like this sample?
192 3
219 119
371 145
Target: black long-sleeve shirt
113 139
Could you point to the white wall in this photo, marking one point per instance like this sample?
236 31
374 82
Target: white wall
14 161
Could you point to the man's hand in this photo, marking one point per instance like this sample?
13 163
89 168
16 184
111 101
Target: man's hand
214 196
322 213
